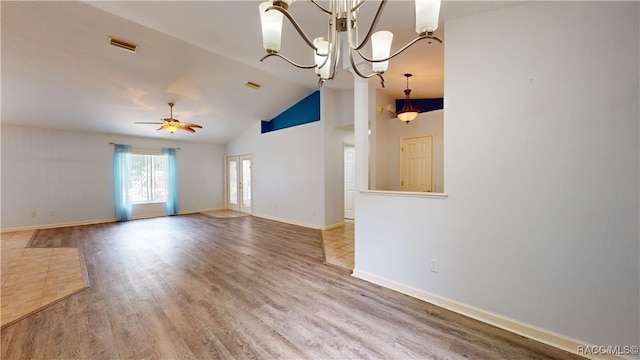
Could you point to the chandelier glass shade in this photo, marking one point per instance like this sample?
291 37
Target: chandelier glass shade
408 112
342 18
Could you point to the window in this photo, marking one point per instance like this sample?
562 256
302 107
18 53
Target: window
144 178
147 179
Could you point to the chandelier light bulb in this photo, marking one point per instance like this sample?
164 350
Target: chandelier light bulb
427 12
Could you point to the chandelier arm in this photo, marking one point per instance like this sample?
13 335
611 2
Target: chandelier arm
360 3
420 37
295 25
334 52
357 71
320 7
394 54
326 58
371 28
430 36
336 56
287 60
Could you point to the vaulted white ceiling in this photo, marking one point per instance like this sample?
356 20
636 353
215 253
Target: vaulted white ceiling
59 71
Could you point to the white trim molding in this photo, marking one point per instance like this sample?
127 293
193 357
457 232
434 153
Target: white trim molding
96 221
541 335
287 221
58 225
431 195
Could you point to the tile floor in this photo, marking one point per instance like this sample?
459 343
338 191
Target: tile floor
225 214
338 245
33 278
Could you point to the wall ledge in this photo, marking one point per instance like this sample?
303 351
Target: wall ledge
430 195
541 335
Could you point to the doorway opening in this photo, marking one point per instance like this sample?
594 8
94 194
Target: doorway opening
338 241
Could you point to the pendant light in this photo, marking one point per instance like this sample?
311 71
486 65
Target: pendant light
408 112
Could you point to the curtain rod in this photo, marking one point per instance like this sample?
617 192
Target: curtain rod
142 147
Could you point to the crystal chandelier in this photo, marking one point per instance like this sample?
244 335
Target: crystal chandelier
342 18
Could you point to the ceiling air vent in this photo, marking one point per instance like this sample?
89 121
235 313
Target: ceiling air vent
123 45
252 85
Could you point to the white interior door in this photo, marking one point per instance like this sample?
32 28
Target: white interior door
239 189
417 164
349 182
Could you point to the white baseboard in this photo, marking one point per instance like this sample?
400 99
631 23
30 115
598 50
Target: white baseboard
58 225
287 221
514 326
201 210
147 216
327 227
298 223
95 221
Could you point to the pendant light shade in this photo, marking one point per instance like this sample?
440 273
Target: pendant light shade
427 12
271 27
408 112
380 49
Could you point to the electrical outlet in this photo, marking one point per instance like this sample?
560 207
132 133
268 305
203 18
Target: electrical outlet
33 214
433 265
52 212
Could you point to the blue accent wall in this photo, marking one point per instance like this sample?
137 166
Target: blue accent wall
305 111
423 105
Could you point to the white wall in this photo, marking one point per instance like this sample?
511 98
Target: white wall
297 171
336 110
288 172
426 124
343 107
379 143
541 163
71 174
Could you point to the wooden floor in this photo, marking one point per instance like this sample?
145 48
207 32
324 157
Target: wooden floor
199 287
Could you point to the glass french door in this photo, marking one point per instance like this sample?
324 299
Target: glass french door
239 190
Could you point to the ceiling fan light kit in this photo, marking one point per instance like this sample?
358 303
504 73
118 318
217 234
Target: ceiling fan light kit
342 18
172 125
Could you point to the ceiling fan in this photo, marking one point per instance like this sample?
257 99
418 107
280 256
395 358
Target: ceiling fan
172 125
